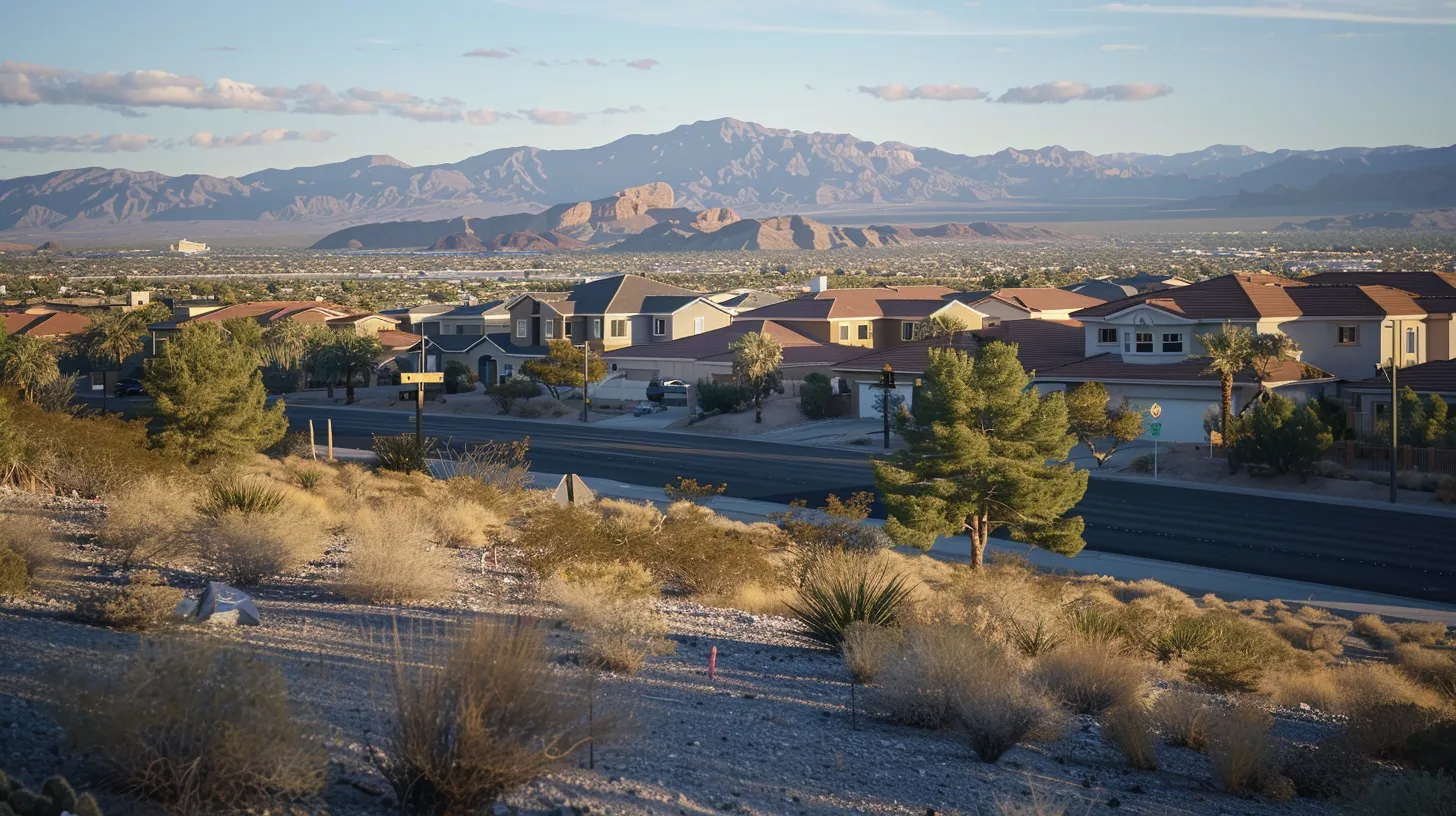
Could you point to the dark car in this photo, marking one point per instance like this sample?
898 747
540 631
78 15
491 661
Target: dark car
130 388
657 389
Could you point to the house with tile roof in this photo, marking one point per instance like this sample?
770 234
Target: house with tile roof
707 356
1370 397
1435 292
612 312
45 323
870 318
1027 303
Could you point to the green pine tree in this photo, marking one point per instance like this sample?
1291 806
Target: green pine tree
1438 423
1101 428
1412 415
209 396
986 453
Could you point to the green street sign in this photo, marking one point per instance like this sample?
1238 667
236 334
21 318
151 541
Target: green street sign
1156 429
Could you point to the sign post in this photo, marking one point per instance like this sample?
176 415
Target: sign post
1156 429
418 379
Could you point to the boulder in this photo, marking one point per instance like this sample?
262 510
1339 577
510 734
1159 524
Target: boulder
225 605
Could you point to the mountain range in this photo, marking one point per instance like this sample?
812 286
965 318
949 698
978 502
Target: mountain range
726 163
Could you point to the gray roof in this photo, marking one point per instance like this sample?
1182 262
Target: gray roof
491 307
665 304
620 294
454 343
503 341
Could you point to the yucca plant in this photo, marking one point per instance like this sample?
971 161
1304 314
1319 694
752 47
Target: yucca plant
242 495
1095 625
1034 642
843 590
308 478
1186 635
403 453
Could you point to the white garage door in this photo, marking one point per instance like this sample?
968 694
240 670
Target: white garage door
868 391
1182 419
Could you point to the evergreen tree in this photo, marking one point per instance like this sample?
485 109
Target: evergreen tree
1101 428
1412 414
247 334
209 396
757 362
1440 423
561 368
985 452
1278 435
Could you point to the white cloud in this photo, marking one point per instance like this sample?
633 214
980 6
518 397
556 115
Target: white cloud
544 116
1377 15
482 116
1057 93
1123 47
487 53
899 91
619 111
645 64
207 140
93 143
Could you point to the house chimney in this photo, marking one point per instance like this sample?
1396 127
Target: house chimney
818 283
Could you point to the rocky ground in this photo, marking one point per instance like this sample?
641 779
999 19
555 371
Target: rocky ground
770 733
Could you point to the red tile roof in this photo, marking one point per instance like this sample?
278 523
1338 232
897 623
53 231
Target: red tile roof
1045 300
1437 376
1251 297
799 349
1421 284
269 311
1041 344
391 339
45 324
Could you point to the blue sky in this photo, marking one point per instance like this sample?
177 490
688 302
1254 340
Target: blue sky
231 88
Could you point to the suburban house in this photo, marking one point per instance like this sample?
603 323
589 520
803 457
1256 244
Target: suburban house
873 318
610 313
1435 292
410 317
707 356
738 301
1370 398
1026 303
46 323
1041 344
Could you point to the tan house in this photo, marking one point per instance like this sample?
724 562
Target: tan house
613 312
707 356
873 318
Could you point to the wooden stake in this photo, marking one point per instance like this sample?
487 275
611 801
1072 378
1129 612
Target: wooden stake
712 662
331 439
312 445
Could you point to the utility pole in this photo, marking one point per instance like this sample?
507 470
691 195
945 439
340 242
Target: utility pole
887 384
420 398
585 377
1394 408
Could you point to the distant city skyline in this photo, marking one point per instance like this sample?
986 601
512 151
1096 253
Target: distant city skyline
226 91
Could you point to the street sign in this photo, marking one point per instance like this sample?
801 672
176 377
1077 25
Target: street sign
1156 429
417 377
1155 411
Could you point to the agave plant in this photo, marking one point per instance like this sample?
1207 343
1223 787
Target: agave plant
844 590
1034 642
242 495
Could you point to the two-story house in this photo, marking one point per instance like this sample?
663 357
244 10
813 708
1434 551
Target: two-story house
1434 292
1027 303
872 318
613 312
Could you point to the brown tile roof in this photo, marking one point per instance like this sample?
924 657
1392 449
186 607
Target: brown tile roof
395 340
1438 376
1041 344
851 304
45 324
356 318
1421 284
269 311
911 309
799 348
1110 367
1045 300
618 294
1251 297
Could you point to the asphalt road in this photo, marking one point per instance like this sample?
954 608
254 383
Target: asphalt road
1360 548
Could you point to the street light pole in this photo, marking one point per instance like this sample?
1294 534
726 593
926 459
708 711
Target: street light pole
420 398
887 383
585 377
1394 408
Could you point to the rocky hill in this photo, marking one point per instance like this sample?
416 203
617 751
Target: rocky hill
1428 220
723 163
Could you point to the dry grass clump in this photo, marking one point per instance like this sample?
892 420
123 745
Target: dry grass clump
614 606
1412 793
1130 728
389 563
148 522
1376 631
143 602
1091 677
1426 633
1243 753
1432 669
247 549
996 708
194 727
1238 656
866 649
1382 730
30 537
1363 685
463 524
480 716
1318 688
1183 717
759 599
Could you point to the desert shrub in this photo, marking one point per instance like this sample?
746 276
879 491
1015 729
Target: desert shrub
194 727
1090 678
308 477
1381 729
501 465
1095 624
920 682
293 443
995 708
1413 793
143 602
1238 656
1183 718
838 525
722 397
557 536
355 480
458 378
1277 435
1432 749
1432 669
1141 464
242 495
1130 728
1376 631
1033 641
624 580
389 564
148 522
707 554
1367 684
615 609
842 590
1317 688
55 797
1185 635
688 490
817 399
866 648
30 537
1446 493
514 388
463 524
93 456
1426 633
14 578
403 453
1239 745
248 548
479 717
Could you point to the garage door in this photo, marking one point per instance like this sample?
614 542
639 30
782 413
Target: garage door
1182 419
868 391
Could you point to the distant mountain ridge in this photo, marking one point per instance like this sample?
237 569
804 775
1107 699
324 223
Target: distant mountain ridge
1428 220
722 163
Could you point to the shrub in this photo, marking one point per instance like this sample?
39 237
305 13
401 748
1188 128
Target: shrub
722 397
1240 747
623 580
93 456
194 727
1376 631
514 388
1446 493
293 443
308 477
1380 730
1432 749
501 465
148 523
1317 688
1434 670
866 648
920 682
1367 684
817 399
689 490
617 614
242 495
1183 718
1090 678
14 577
1426 633
1034 642
1408 794
389 565
475 720
248 549
843 590
1187 634
838 525
1096 625
1329 770
143 602
55 797
355 480
403 453
463 524
1141 464
995 709
1130 728
1277 435
30 537
458 378
1238 656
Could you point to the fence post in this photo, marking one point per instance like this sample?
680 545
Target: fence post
1349 454
1430 460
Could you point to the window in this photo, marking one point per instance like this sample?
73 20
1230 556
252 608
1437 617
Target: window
459 328
522 327
907 331
1127 342
548 329
864 331
697 325
509 370
659 326
1173 343
1107 337
1348 335
1410 341
566 329
1144 342
843 331
596 331
614 366
619 328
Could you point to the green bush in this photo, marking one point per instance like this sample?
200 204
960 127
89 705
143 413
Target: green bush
722 397
241 495
817 399
514 388
402 453
56 797
458 378
1408 794
1238 655
14 577
142 603
92 456
1278 436
844 590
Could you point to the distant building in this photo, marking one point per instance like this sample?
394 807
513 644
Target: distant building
1318 265
187 247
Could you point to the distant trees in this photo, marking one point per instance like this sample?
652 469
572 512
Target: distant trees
757 365
562 368
1100 427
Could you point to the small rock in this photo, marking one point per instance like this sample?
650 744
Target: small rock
1114 802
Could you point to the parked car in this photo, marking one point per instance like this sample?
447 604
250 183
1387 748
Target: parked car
130 388
656 389
647 409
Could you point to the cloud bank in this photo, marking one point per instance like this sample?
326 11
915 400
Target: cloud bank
487 53
247 139
1377 16
1056 93
93 143
899 91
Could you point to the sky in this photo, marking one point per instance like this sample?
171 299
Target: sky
227 89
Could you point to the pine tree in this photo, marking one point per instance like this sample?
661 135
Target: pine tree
561 368
1101 428
985 453
757 361
1438 422
209 396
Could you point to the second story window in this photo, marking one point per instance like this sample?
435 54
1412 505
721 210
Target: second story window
1410 341
1143 343
619 328
1173 343
698 325
1107 337
844 331
907 331
596 330
659 326
523 327
1348 335
566 328
548 329
459 328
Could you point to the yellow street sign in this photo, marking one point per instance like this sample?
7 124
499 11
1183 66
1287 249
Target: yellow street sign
416 377
1155 411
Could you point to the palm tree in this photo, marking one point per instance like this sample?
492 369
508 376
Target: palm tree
29 364
1228 352
757 358
286 344
346 355
942 326
113 336
1268 352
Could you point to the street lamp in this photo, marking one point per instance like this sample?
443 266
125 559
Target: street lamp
1390 374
